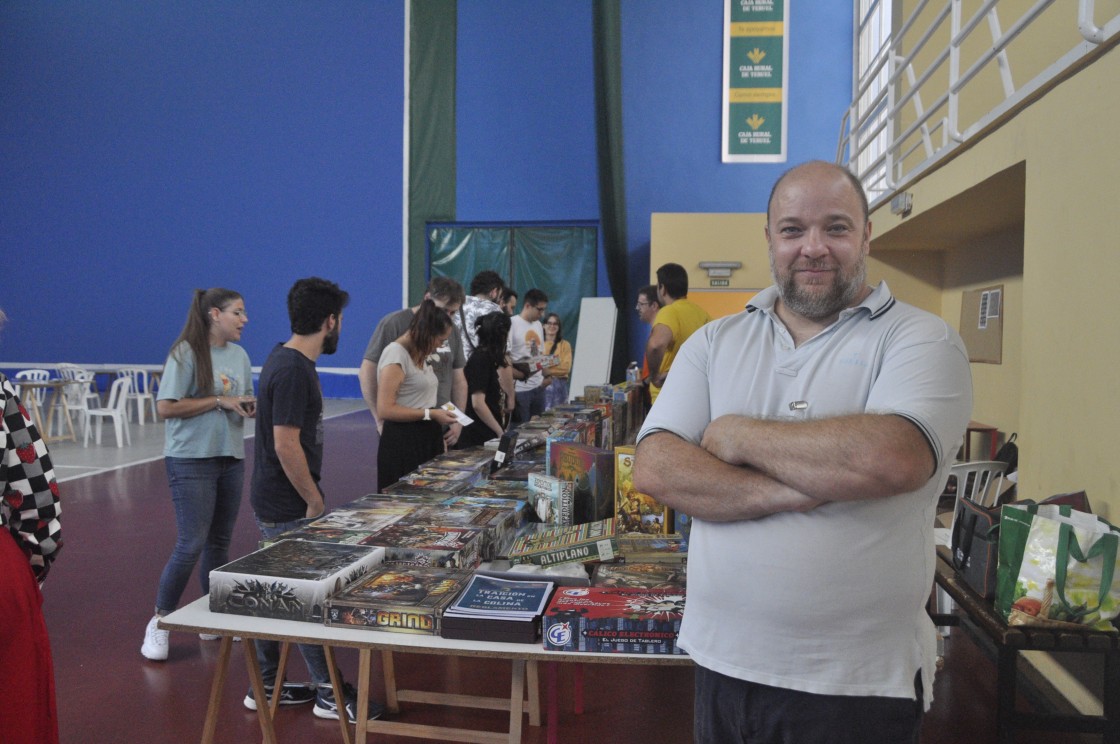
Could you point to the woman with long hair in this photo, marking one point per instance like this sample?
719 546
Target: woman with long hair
30 538
406 396
486 400
554 344
205 394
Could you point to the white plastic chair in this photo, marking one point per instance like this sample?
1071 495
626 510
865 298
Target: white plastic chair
981 481
141 391
33 375
79 397
116 409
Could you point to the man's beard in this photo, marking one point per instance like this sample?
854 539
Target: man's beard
814 305
330 342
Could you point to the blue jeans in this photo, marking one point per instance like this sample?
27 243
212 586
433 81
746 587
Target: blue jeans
268 652
529 404
206 492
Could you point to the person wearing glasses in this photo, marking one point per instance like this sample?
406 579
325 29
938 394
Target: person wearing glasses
556 392
447 295
205 395
527 342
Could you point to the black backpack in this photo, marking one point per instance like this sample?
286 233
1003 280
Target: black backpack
1009 453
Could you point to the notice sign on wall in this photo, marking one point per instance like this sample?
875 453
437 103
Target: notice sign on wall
755 51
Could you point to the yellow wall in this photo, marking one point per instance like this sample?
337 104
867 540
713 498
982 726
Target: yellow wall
688 239
1064 343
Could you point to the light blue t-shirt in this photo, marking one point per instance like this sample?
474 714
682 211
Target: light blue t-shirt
215 433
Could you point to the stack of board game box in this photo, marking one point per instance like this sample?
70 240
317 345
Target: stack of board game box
497 609
289 580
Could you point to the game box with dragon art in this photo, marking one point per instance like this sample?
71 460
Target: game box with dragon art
289 580
637 621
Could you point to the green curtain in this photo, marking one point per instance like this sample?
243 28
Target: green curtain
612 188
431 130
558 259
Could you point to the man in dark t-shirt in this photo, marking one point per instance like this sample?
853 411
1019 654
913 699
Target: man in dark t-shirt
288 458
290 397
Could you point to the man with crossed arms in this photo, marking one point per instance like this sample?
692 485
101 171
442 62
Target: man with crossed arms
809 437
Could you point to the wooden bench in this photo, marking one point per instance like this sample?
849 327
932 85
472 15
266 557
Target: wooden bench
1010 640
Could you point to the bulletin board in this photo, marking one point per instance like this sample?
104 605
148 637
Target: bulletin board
591 362
982 324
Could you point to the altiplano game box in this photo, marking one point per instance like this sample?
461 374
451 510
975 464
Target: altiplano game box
581 543
640 621
290 580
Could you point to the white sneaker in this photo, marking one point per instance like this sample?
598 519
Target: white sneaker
155 641
214 637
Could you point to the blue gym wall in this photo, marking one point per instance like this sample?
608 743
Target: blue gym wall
151 148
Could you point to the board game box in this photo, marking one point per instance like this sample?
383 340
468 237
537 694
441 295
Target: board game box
400 599
634 510
290 580
581 543
429 545
652 548
553 498
659 576
640 621
592 471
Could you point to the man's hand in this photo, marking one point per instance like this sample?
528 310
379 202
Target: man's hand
451 436
316 508
722 438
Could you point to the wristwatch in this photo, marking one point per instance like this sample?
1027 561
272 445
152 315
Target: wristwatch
427 414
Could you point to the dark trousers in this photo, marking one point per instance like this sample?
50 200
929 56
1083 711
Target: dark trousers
729 710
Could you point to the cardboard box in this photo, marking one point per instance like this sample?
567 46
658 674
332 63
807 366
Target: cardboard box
634 511
639 621
289 580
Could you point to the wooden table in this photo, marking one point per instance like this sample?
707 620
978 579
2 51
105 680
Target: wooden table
197 618
57 403
1010 640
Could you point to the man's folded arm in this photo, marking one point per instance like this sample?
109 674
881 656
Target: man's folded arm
684 476
844 458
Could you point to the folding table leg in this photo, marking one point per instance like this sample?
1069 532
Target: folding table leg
1112 696
339 694
210 727
1006 680
263 714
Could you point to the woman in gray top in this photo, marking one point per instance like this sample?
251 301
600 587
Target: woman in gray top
406 397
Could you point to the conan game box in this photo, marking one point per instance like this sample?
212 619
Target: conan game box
290 580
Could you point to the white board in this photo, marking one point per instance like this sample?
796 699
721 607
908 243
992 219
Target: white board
591 359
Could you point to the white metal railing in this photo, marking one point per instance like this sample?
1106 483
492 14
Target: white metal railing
887 149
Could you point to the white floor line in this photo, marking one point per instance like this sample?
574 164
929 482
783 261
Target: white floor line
121 466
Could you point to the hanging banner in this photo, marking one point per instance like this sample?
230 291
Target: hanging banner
755 51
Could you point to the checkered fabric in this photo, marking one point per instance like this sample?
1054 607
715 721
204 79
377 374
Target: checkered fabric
29 506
